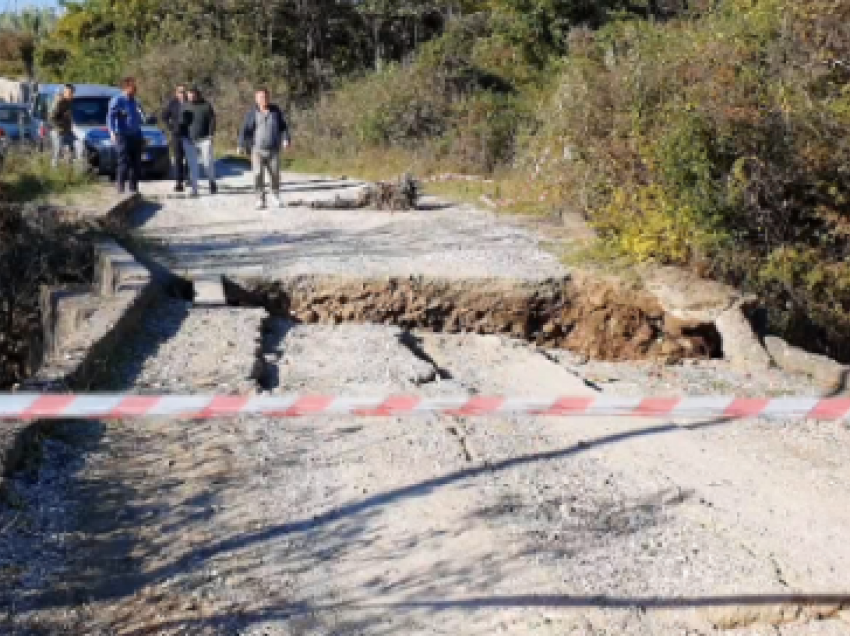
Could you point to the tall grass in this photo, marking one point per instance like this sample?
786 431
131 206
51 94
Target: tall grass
27 176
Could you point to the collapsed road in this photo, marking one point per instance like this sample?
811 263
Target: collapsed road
427 525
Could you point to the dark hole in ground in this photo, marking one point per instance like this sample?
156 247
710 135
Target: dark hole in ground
593 318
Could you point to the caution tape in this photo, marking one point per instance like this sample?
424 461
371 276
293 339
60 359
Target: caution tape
19 406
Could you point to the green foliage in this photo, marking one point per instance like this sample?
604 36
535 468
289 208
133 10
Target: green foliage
540 27
649 225
449 107
28 176
225 76
697 142
708 133
17 52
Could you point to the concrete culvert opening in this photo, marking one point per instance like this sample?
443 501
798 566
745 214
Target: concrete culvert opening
597 319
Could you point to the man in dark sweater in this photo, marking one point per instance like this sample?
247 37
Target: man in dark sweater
62 119
265 132
171 117
198 119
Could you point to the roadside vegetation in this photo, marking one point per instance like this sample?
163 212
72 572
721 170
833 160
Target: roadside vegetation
35 249
715 139
28 177
709 134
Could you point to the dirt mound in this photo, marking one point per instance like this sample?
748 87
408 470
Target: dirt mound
597 319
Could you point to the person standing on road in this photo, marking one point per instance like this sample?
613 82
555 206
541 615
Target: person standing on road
125 127
62 136
171 117
265 131
198 118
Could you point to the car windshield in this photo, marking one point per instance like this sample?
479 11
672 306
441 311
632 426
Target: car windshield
14 116
90 111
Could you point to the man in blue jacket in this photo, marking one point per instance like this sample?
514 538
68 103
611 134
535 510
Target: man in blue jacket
125 128
265 132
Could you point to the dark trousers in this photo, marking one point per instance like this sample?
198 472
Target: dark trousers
181 168
129 161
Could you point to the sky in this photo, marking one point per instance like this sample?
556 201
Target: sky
9 5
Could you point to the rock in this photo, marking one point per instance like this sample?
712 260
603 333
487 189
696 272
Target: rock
690 298
795 360
550 329
741 346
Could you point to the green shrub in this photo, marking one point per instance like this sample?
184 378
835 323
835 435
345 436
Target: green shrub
449 107
719 140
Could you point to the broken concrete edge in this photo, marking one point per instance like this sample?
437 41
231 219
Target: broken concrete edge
733 313
116 214
112 211
827 372
589 316
79 363
82 328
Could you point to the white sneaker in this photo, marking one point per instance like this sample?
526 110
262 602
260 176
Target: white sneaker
261 205
278 201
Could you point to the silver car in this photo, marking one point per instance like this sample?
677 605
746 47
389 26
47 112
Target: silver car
89 112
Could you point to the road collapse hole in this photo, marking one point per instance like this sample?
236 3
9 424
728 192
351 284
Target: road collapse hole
595 318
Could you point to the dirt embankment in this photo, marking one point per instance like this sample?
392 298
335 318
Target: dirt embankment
598 319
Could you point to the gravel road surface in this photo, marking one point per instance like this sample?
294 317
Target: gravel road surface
356 526
225 234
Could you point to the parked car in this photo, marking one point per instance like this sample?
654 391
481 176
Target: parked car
16 127
16 124
90 107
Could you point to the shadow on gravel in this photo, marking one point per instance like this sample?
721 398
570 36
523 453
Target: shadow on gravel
154 521
473 606
275 331
144 213
101 542
226 168
164 509
281 250
154 548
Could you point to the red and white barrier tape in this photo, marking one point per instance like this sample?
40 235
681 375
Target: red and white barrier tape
124 406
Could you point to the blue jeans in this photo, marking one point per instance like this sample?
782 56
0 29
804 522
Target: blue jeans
65 143
129 169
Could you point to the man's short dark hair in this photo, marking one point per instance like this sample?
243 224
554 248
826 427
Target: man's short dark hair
263 90
70 87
